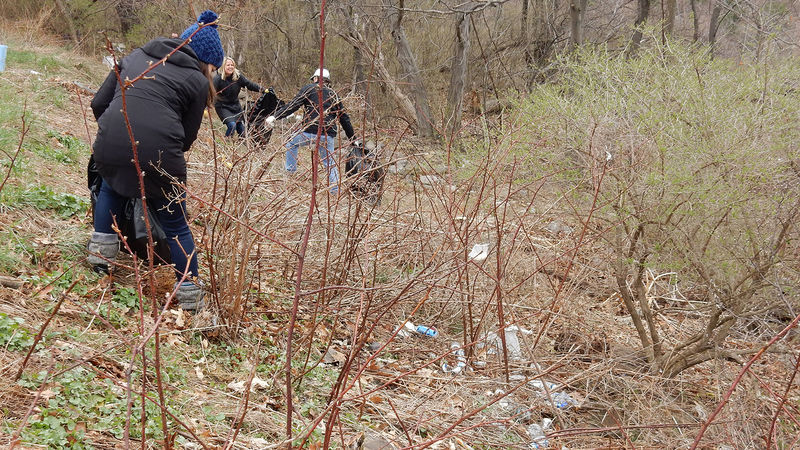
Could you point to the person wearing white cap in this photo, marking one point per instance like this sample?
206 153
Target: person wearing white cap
332 109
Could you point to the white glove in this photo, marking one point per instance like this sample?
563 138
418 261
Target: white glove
270 122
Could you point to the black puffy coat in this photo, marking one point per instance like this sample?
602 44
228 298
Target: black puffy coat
227 102
165 110
333 109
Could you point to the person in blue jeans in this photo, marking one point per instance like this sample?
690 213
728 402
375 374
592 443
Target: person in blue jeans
332 110
164 111
229 82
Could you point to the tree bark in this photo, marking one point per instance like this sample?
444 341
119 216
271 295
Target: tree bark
670 7
411 74
458 73
577 8
359 70
641 18
713 26
695 21
523 35
407 109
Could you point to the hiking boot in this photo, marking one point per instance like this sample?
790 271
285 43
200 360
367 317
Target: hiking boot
103 249
190 296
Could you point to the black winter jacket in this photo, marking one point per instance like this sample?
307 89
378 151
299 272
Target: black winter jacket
165 110
333 109
227 102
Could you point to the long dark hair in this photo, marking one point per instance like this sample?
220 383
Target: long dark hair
208 71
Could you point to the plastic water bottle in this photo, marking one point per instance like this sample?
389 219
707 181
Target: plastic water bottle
427 331
563 400
536 434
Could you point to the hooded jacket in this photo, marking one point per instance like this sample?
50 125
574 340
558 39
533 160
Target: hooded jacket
165 111
227 102
333 109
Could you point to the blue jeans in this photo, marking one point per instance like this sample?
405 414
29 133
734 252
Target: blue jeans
326 155
172 216
239 126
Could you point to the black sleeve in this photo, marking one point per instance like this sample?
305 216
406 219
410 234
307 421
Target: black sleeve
293 105
193 117
249 84
217 82
344 119
104 95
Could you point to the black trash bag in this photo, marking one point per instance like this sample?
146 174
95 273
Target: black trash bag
364 172
132 224
265 106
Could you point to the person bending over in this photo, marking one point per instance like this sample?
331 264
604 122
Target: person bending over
165 110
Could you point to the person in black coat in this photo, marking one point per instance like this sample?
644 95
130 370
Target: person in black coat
228 82
164 109
333 110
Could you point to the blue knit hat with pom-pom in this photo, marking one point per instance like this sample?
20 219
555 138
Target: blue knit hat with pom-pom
206 43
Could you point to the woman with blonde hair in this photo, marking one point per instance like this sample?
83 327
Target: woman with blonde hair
228 82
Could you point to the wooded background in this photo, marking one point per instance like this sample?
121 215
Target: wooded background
425 62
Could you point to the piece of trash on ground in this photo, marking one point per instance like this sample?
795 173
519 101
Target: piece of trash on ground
257 383
479 252
410 329
536 431
495 344
461 358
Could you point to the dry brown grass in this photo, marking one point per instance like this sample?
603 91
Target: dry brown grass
367 268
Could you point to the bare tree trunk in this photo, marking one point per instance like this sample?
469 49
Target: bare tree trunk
577 8
458 72
68 20
411 74
359 71
713 25
641 18
670 7
523 35
406 105
695 21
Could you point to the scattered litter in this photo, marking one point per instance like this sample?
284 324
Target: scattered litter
537 435
479 252
257 383
542 385
557 227
108 61
561 399
462 360
495 344
427 331
409 329
33 72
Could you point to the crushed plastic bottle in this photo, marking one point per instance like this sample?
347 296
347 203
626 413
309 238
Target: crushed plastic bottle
536 432
562 400
409 328
427 331
461 358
